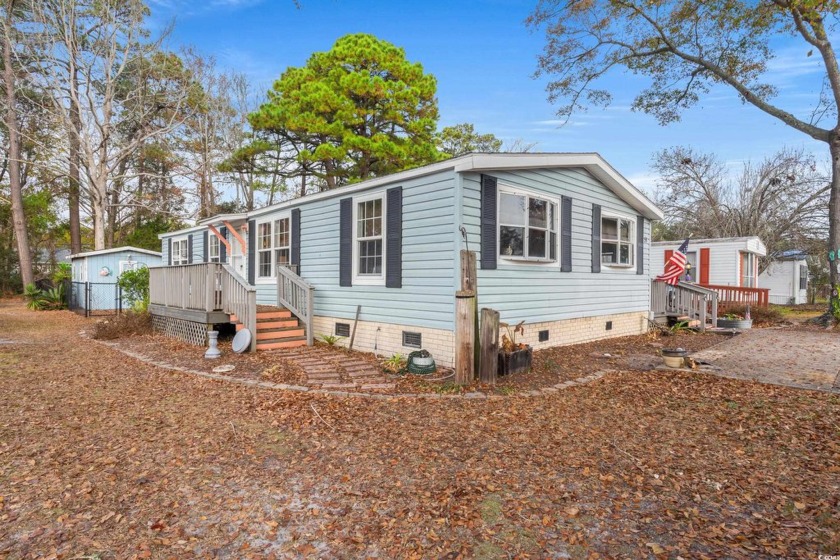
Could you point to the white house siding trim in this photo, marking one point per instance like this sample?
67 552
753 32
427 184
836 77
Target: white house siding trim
538 294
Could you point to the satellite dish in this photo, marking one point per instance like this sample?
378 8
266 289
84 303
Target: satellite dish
242 341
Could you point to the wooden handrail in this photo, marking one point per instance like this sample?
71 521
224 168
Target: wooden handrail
696 302
296 294
740 295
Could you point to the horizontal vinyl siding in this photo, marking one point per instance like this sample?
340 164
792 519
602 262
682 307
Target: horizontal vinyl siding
543 293
197 247
426 298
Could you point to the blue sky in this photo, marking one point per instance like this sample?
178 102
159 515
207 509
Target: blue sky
484 59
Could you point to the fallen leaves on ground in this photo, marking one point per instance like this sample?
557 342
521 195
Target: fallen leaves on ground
100 454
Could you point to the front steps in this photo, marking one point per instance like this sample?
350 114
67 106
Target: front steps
276 328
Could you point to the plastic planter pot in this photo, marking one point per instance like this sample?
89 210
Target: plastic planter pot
674 357
515 362
734 323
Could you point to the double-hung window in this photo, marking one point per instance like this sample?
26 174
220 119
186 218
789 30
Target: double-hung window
214 252
264 267
180 251
369 240
273 246
748 267
527 227
618 241
282 242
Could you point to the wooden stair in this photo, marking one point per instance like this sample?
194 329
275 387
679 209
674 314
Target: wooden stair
276 328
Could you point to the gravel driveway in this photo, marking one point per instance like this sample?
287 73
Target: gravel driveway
781 356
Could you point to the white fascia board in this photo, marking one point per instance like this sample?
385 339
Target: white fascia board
592 162
222 217
178 232
116 250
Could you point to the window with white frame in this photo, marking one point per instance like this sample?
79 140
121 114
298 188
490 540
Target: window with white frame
748 266
214 248
369 240
527 227
618 240
129 265
273 246
282 242
180 251
264 250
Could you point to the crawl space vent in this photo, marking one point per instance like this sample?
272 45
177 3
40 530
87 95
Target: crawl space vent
412 339
609 325
342 329
543 336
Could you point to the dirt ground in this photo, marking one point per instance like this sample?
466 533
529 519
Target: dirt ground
104 457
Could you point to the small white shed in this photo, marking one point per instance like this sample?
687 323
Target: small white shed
787 278
725 261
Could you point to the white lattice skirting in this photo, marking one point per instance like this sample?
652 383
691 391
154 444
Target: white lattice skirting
188 331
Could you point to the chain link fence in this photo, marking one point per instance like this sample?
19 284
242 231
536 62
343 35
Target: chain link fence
94 298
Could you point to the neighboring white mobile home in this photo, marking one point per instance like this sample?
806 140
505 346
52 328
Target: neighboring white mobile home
726 261
787 278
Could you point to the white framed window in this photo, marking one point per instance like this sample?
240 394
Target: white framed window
273 246
618 241
749 264
214 248
528 225
369 240
282 242
129 265
180 251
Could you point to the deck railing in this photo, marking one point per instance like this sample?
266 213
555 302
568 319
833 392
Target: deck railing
737 295
205 287
240 299
684 299
186 286
295 294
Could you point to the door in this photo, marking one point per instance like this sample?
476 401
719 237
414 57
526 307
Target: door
691 272
237 259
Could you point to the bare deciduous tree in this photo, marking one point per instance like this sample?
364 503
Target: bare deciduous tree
782 199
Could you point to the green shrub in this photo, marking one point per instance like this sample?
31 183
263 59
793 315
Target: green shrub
330 339
135 288
34 297
63 272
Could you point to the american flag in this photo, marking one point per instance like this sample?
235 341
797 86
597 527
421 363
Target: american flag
675 266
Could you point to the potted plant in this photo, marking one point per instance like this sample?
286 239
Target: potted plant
734 321
514 357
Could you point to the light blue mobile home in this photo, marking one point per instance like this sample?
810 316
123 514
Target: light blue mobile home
95 274
562 242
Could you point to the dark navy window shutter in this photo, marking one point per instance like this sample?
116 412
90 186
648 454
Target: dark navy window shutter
169 251
206 246
640 245
222 246
393 238
489 231
345 234
596 238
566 234
252 251
189 249
296 238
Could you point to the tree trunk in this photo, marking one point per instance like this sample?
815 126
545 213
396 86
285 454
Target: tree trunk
74 187
834 224
18 216
98 200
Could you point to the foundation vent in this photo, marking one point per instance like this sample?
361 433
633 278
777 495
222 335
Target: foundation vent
342 329
412 339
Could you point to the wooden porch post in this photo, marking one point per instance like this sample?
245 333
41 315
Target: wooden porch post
489 362
464 336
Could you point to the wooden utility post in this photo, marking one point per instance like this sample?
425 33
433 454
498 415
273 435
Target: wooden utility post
466 322
489 362
464 336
